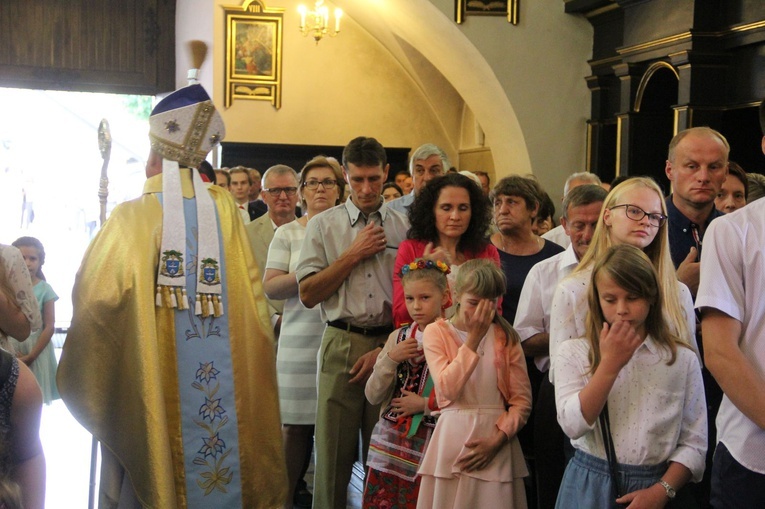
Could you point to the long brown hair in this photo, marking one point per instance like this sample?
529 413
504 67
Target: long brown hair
632 270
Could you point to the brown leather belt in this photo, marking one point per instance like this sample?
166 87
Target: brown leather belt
366 331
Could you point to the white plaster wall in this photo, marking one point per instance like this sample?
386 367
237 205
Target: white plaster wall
402 71
541 64
341 88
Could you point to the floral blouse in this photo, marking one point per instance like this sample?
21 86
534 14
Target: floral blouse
19 280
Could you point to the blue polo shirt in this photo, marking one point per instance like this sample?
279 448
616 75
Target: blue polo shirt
684 234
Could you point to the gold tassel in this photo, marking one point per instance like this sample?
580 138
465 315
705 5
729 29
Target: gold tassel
205 313
218 306
166 296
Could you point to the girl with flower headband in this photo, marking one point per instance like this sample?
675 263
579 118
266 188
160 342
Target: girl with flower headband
401 379
474 458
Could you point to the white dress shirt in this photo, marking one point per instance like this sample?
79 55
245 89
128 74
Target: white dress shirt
533 314
558 235
365 297
733 281
657 412
243 212
569 313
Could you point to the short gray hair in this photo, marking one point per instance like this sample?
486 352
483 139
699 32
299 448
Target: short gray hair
586 176
279 169
424 151
583 195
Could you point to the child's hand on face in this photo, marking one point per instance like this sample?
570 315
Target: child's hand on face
478 323
617 344
405 350
408 404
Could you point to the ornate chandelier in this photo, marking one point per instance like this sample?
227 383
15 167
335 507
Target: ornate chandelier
316 21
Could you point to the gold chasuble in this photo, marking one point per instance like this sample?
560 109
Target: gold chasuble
182 431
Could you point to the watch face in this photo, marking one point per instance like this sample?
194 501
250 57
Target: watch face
669 489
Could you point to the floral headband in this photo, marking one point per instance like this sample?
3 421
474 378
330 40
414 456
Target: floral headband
422 263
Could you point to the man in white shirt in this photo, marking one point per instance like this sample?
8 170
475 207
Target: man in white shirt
558 234
427 163
581 209
733 324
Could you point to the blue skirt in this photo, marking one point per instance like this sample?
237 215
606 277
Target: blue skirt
587 482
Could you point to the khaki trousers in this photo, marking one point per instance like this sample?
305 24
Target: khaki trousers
342 412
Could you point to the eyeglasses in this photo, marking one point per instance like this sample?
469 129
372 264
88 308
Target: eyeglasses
276 191
314 184
636 214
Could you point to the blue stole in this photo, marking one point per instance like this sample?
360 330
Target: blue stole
206 388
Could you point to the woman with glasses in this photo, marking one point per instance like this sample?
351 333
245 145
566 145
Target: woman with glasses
449 219
320 187
634 213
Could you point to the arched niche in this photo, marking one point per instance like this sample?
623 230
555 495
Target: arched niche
652 123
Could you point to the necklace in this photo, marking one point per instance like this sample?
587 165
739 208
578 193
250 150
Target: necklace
538 246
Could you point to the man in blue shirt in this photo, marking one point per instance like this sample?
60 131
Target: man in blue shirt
697 166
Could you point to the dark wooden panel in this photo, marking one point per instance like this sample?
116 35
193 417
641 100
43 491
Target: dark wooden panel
737 12
741 127
125 46
717 49
264 155
647 21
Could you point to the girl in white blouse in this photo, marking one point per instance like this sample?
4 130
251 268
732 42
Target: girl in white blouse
634 369
634 213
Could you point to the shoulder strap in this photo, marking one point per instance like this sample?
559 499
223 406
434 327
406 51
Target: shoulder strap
608 444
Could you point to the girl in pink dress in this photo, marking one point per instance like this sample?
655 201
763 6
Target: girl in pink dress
401 380
482 388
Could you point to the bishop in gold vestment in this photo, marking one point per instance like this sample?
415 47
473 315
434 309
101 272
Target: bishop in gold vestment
183 401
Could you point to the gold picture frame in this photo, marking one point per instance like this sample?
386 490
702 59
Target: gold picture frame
508 8
254 53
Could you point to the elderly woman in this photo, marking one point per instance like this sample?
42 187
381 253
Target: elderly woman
320 187
517 201
449 220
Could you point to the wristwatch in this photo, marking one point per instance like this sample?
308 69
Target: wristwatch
669 489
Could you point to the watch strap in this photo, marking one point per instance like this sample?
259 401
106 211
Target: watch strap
671 492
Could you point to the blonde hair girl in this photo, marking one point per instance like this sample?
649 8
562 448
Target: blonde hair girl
474 458
641 198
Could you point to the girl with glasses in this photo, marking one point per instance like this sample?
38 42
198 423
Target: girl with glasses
634 213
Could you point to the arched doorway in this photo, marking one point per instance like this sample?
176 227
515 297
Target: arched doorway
652 124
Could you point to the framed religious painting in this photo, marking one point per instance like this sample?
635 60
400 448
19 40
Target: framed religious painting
254 53
506 8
